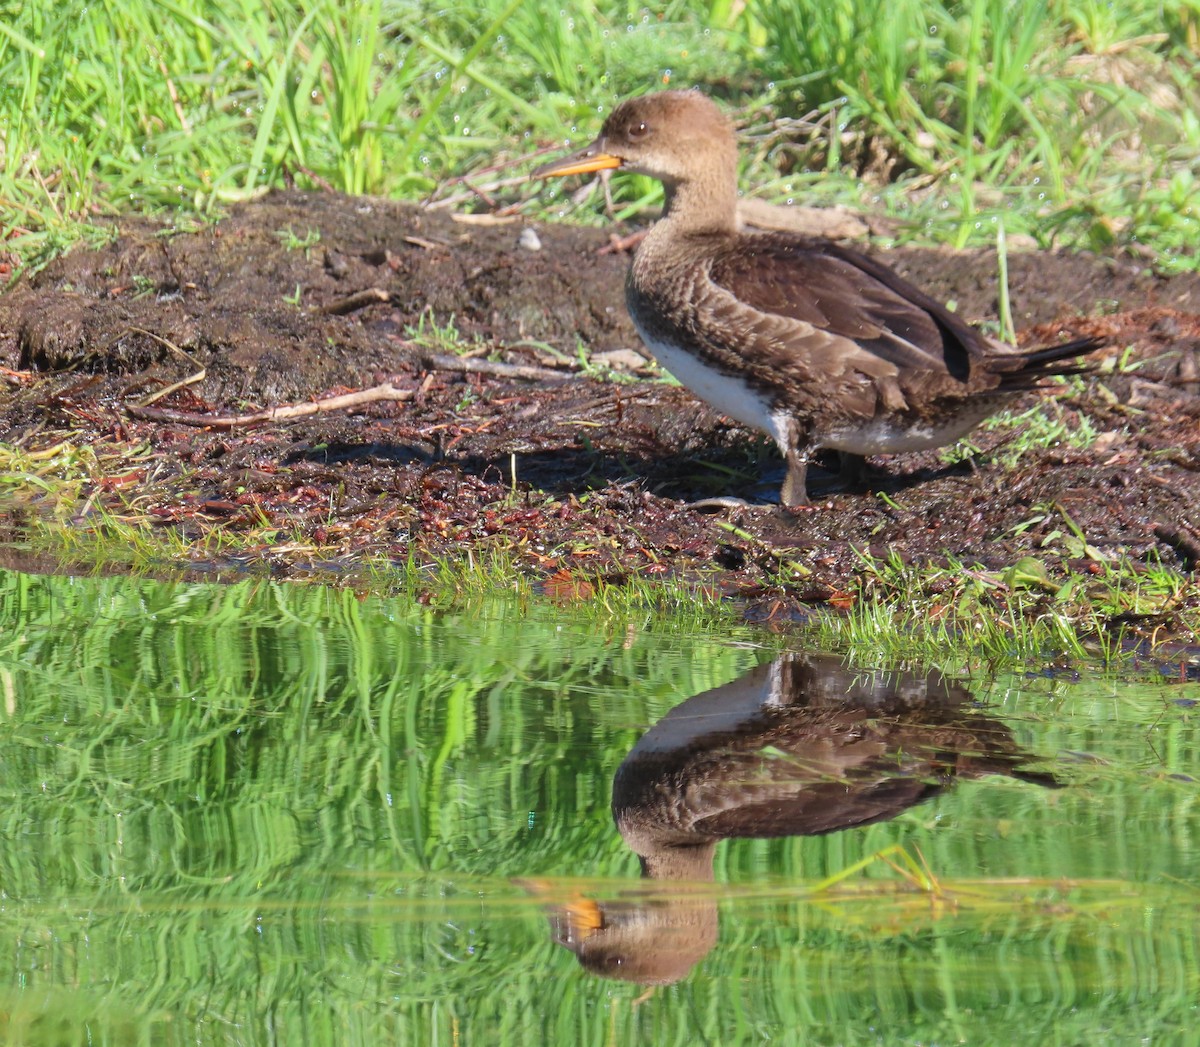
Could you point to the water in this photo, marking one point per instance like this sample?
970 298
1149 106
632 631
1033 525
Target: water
282 814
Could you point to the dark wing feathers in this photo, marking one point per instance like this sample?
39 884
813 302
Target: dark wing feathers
848 294
813 808
826 321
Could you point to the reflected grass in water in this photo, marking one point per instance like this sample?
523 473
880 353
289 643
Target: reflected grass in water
789 964
147 697
264 813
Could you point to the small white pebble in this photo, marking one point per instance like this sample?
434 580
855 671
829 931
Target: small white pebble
530 240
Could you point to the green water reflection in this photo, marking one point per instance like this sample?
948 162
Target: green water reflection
800 746
272 814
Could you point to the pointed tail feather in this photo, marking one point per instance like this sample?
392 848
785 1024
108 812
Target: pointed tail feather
1026 370
1052 354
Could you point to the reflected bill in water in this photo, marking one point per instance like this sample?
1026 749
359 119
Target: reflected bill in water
801 746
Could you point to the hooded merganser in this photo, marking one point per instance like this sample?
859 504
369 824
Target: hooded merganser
801 746
810 342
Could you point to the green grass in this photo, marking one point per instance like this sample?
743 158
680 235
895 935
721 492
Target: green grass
1076 122
1023 610
1045 424
263 813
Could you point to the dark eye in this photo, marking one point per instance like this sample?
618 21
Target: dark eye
638 130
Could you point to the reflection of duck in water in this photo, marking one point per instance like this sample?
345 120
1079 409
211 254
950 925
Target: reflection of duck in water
798 747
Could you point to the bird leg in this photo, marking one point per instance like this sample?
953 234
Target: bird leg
795 483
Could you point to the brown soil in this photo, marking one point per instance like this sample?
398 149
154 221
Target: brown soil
569 470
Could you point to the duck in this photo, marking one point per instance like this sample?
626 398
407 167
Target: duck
813 343
803 745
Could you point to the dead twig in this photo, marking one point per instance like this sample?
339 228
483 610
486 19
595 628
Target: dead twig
16 377
184 125
354 302
621 244
198 376
167 390
609 402
475 192
163 342
285 412
484 218
315 178
464 365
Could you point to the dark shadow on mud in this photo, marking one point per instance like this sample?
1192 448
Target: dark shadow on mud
376 453
690 478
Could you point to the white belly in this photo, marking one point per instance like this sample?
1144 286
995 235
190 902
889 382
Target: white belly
727 393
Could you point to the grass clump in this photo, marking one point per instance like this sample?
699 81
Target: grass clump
1085 609
106 538
1049 107
1040 426
1077 122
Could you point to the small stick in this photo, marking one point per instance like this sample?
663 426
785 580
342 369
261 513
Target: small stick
179 113
621 244
315 178
164 342
386 391
482 193
15 377
474 192
1179 540
356 301
199 376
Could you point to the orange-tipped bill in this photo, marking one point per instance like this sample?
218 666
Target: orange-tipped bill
583 162
576 921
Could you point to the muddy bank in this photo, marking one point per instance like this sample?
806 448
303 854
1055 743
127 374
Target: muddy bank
569 462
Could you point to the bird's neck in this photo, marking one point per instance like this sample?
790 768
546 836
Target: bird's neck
693 862
702 205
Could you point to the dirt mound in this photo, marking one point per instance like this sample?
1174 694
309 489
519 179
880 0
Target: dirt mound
523 443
